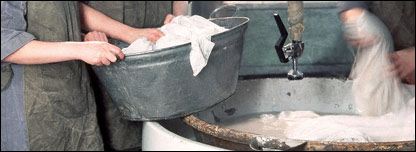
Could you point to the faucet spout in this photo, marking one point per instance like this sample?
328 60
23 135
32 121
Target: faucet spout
295 74
293 50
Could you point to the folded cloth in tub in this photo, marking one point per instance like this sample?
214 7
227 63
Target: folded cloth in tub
181 30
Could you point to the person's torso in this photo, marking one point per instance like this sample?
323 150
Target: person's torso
64 82
57 94
399 17
139 14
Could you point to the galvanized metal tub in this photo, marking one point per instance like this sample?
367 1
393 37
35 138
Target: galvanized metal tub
321 95
160 85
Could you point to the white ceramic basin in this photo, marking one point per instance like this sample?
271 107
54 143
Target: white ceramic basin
157 137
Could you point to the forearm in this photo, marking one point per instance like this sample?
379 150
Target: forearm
180 8
351 14
93 20
38 52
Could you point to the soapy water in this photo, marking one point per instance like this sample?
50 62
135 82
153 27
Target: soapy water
308 125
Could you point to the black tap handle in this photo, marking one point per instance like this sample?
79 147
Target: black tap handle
283 35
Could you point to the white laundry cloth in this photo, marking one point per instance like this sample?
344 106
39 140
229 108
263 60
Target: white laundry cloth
374 93
140 46
181 30
308 125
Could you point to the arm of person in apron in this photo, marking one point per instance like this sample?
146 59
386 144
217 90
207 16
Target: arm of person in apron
19 46
38 52
93 20
179 8
351 10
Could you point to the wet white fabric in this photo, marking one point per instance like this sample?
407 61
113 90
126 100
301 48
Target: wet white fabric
349 128
324 129
307 125
375 94
181 30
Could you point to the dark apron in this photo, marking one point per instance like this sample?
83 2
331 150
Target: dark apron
399 17
139 14
59 102
118 133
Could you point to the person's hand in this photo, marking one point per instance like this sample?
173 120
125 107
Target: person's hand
99 53
403 65
168 19
96 36
152 34
358 38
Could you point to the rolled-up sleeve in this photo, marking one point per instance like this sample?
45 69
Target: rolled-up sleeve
13 27
346 5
